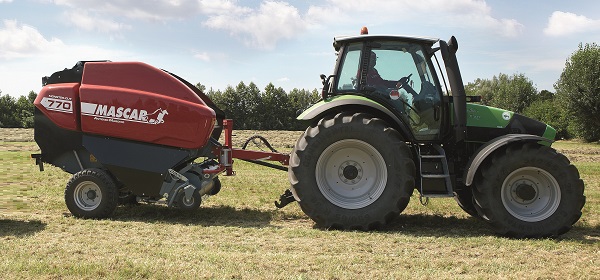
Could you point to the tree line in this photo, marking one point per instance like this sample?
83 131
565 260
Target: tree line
17 112
573 109
270 109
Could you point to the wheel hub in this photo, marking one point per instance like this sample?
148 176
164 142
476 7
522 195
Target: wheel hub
188 201
351 172
91 194
525 191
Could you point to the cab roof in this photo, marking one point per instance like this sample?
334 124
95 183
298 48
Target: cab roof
338 41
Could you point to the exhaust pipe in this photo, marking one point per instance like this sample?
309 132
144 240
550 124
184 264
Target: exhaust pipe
459 98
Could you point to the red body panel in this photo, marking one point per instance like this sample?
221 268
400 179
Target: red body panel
136 101
60 103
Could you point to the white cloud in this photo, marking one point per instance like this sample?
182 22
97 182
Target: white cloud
204 56
272 21
472 14
262 27
159 10
5 1
222 7
284 79
23 41
563 23
27 55
19 76
83 20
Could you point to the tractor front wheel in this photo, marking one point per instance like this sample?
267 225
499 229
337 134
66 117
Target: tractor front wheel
464 199
91 193
528 190
351 171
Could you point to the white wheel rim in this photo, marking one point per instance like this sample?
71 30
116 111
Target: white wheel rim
87 195
530 194
351 174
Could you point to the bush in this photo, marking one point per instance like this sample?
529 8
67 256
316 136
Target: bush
578 91
549 112
514 93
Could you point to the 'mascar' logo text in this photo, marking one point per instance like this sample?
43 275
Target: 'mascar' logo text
116 114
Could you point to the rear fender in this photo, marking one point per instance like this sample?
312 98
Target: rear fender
486 150
342 103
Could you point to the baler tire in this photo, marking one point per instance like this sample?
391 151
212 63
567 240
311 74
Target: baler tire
529 191
337 198
188 205
91 194
464 199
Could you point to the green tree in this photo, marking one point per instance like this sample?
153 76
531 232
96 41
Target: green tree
514 93
300 100
550 112
8 112
578 91
545 95
275 110
271 109
240 104
201 87
25 110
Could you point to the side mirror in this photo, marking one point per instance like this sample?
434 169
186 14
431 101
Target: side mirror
453 44
326 85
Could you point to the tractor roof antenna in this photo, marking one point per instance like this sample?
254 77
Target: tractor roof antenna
364 31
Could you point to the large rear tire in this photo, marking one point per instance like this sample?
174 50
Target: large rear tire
528 190
351 171
91 193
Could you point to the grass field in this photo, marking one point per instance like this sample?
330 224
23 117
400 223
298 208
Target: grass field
239 234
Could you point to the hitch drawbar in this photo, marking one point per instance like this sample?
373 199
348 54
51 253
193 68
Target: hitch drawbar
256 157
253 156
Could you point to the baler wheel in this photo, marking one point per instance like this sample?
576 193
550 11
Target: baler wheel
91 193
181 202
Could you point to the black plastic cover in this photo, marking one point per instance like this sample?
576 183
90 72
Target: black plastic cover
72 75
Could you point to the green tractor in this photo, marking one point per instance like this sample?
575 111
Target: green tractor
387 125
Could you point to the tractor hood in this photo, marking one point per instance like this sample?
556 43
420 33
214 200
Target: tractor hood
485 123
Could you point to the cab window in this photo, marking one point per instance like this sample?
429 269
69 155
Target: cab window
399 73
348 75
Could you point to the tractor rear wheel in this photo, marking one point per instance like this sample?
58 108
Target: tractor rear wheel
351 171
91 193
528 190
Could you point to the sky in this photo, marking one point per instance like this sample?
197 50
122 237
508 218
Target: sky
287 43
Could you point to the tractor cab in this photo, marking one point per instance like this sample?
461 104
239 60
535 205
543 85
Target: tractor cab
395 72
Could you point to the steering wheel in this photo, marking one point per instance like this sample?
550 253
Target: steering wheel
403 82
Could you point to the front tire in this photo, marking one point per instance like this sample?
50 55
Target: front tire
92 194
528 190
464 199
351 172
